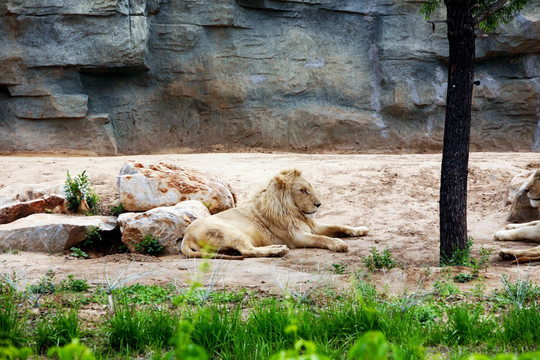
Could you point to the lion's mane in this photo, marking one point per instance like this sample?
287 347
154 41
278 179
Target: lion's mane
275 204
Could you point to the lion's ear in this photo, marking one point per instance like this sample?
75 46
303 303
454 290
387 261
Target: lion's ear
285 178
281 182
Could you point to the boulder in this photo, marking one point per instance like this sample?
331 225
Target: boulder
143 187
167 224
14 211
29 192
51 233
20 201
521 209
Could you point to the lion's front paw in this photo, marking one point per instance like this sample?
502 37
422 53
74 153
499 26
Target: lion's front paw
360 231
339 246
499 235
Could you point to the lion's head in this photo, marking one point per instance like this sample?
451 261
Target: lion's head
533 189
287 199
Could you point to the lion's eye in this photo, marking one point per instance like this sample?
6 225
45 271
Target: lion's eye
304 191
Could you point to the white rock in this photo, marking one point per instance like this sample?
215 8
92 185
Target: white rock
167 224
146 186
51 233
29 192
521 209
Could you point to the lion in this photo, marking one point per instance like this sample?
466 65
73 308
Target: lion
280 216
529 231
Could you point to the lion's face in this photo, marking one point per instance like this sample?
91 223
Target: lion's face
533 189
304 197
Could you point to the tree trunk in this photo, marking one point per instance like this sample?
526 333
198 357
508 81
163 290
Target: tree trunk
453 194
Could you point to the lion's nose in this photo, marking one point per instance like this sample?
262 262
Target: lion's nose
317 204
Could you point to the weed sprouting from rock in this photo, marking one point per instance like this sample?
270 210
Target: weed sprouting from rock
80 195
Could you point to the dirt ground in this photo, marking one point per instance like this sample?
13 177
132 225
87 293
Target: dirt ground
396 196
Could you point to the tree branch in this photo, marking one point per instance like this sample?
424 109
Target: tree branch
498 5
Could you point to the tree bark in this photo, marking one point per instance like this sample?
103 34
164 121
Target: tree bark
454 168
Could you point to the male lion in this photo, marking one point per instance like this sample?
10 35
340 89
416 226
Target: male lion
278 217
526 231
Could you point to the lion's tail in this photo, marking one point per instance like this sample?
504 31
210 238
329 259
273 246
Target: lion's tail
191 253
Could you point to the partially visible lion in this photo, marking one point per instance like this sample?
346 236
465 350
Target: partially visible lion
278 217
529 231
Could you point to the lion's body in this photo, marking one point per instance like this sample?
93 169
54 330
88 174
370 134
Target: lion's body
279 217
527 231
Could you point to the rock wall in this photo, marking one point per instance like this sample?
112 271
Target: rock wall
144 76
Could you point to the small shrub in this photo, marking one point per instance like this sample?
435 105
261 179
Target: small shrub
79 191
377 260
144 294
149 245
445 288
461 257
74 285
92 237
78 253
117 209
519 292
464 277
339 269
45 285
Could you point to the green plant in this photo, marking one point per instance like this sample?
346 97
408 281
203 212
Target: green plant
117 209
45 285
73 285
461 257
467 324
79 191
10 352
519 292
445 288
377 260
464 277
371 346
72 351
184 346
144 294
339 269
92 237
58 328
78 253
133 329
303 350
12 317
149 245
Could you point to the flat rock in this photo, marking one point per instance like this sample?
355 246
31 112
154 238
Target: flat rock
51 233
167 224
143 187
22 200
29 192
10 213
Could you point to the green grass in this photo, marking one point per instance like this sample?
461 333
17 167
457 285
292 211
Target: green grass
12 317
156 322
56 329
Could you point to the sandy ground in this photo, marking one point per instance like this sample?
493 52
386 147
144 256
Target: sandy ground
396 196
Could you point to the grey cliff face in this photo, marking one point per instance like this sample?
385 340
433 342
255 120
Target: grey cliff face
141 76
